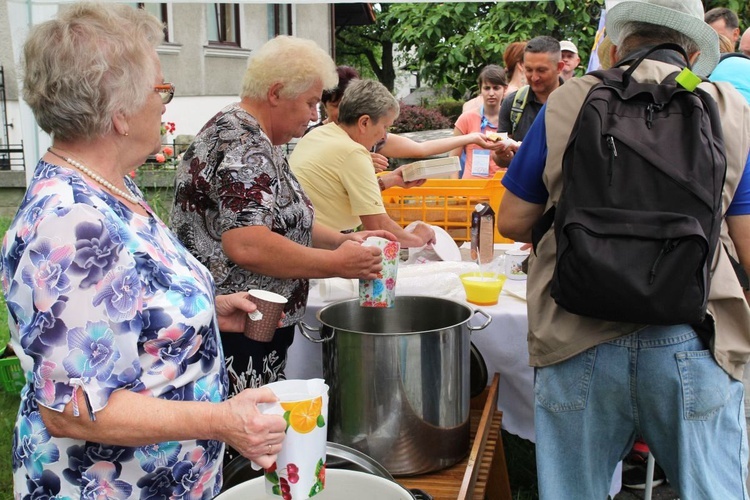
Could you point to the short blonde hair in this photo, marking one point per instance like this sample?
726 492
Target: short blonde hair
366 97
89 63
296 63
602 51
726 45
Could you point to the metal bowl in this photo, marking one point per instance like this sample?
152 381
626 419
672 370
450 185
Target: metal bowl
340 485
338 456
478 375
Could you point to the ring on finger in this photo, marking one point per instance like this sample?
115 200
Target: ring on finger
269 449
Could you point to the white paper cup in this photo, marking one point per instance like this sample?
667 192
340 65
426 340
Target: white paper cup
381 292
261 324
514 264
300 469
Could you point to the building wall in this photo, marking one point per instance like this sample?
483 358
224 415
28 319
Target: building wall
206 77
6 53
313 21
10 76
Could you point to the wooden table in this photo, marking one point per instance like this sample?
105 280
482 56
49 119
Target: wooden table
483 473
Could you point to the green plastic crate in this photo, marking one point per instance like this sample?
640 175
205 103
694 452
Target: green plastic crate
12 379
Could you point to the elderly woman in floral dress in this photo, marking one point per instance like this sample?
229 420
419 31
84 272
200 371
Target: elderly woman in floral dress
114 322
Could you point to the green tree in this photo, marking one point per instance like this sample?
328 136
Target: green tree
370 48
450 42
447 43
741 7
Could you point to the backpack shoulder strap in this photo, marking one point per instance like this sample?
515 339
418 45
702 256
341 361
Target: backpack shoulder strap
541 226
519 103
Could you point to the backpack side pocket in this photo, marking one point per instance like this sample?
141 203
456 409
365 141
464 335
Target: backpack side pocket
631 266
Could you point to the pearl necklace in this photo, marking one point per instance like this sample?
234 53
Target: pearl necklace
128 195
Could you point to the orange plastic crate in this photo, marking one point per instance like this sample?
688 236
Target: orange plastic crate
446 203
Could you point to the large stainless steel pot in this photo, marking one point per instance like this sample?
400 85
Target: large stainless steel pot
399 380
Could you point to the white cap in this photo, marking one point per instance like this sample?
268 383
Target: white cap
569 46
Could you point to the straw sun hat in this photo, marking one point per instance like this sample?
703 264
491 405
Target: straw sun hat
685 16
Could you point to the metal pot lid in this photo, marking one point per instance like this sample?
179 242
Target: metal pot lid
338 456
478 375
429 315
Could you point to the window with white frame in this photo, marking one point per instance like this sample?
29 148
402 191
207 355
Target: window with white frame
223 23
279 19
160 11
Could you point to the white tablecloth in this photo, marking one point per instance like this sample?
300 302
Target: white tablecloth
503 345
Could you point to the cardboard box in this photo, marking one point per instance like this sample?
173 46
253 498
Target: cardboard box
438 168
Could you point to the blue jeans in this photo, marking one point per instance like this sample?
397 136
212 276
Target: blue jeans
660 383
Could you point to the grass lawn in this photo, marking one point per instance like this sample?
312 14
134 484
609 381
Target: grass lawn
8 403
8 409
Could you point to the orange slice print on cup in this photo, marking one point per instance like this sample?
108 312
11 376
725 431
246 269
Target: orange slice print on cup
317 404
304 415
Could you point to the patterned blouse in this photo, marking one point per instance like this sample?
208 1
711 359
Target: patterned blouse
232 177
106 299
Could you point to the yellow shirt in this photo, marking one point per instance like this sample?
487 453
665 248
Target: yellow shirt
337 174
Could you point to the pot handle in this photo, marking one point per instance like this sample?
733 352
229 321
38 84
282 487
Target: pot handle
303 326
489 320
420 494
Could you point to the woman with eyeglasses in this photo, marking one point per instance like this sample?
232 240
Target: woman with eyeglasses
114 322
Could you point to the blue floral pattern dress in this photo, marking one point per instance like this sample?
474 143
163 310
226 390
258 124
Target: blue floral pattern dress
105 299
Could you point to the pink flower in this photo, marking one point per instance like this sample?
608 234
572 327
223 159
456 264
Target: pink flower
167 127
160 158
168 151
391 250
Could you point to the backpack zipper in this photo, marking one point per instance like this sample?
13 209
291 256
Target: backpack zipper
667 247
612 156
650 113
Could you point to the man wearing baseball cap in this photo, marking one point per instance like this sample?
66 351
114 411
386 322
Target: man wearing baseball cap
570 57
599 384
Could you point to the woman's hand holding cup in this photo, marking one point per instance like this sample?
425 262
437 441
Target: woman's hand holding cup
242 426
357 261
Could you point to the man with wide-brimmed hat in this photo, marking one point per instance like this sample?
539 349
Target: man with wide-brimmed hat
600 384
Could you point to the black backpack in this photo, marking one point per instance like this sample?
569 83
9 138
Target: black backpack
640 213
